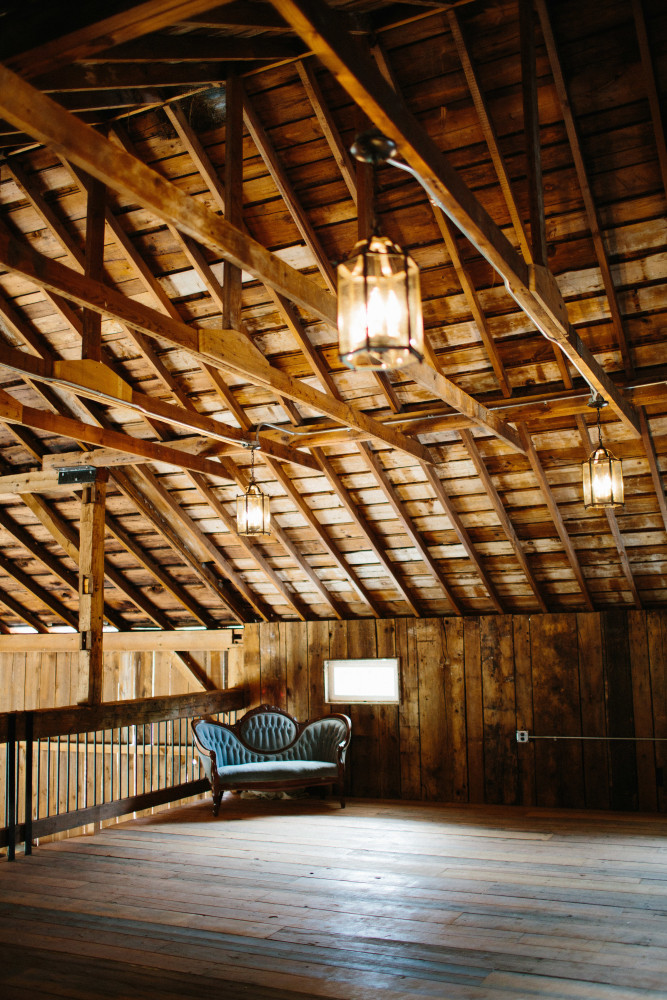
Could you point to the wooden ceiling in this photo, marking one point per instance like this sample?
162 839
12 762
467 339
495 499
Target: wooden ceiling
180 171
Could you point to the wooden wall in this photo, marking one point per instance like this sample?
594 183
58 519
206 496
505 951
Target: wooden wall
469 684
34 678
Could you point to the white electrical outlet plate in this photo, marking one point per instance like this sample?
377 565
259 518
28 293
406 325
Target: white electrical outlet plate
522 735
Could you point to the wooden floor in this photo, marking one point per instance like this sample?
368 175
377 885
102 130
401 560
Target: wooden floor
299 899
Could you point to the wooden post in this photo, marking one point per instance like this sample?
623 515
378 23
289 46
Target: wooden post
231 285
91 343
91 589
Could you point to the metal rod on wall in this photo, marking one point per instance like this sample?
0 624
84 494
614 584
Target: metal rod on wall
522 736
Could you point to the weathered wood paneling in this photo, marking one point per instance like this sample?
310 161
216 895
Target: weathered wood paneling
467 686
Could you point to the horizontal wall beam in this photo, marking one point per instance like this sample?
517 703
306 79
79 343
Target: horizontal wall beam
173 641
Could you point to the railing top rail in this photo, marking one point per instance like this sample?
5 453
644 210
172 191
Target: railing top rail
113 714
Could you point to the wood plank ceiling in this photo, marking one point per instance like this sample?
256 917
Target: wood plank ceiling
180 171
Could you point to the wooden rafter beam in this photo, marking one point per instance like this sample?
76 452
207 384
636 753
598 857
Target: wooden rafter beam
371 536
533 287
170 585
443 388
330 130
557 517
21 612
96 381
330 548
68 540
449 236
651 88
649 448
249 547
490 136
169 529
584 184
40 593
280 179
416 539
86 42
463 536
503 516
531 127
65 535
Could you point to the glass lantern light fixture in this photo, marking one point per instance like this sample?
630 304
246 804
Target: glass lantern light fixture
602 474
380 323
253 516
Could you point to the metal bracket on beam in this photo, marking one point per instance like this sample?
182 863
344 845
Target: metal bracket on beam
77 474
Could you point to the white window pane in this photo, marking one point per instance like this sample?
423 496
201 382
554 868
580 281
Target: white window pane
369 680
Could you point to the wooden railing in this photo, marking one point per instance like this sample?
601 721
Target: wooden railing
68 767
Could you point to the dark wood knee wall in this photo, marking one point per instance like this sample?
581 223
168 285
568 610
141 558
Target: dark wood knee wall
469 684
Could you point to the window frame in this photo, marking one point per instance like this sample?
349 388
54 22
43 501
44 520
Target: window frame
349 699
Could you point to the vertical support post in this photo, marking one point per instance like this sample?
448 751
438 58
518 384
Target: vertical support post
10 787
91 589
531 124
231 285
27 841
91 343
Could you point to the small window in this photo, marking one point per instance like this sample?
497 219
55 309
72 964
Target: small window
352 681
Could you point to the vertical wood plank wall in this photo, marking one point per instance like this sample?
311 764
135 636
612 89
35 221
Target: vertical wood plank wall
31 680
468 684
35 679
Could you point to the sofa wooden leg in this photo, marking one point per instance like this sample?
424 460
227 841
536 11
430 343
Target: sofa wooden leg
217 799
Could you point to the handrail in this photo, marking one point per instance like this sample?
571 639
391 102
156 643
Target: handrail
112 714
114 758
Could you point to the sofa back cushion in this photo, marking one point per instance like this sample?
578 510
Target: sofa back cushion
317 742
267 732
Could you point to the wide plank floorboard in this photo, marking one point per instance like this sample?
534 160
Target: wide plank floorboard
279 900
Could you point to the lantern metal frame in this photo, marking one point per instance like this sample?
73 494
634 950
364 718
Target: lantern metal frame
602 468
373 270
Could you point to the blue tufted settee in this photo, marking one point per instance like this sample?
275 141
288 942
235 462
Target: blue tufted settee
269 749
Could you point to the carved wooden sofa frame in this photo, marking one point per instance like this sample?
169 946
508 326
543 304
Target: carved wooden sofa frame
269 749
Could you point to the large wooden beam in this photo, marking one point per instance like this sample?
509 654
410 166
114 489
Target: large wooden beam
226 349
140 641
443 388
91 589
173 526
96 381
112 714
44 119
102 35
533 287
54 423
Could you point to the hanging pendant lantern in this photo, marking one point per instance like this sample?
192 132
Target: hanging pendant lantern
253 516
380 322
602 474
